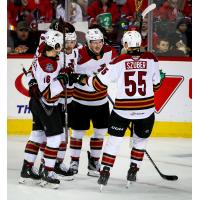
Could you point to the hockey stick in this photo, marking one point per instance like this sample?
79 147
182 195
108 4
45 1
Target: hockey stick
148 9
145 12
164 176
65 89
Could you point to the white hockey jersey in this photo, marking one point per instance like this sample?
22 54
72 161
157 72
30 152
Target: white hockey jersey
45 70
70 61
136 78
91 65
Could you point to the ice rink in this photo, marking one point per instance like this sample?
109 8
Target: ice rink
173 156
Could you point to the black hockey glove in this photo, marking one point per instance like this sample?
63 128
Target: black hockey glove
63 78
77 78
34 90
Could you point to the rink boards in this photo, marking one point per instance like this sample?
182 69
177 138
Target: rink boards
173 101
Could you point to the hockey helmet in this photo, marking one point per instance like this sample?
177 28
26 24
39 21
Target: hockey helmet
71 36
132 38
93 34
54 39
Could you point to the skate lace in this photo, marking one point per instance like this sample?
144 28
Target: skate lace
52 175
63 167
98 165
74 165
35 170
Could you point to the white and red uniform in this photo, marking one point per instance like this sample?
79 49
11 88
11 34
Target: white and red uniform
90 66
90 105
136 79
45 70
71 62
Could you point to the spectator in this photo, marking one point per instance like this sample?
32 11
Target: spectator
163 47
187 10
131 7
75 12
169 11
144 34
31 11
181 38
22 41
83 4
103 6
20 10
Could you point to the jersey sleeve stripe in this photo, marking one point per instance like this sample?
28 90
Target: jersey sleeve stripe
156 87
98 85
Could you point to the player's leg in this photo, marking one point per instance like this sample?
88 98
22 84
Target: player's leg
31 150
53 129
116 130
100 116
142 131
80 123
60 168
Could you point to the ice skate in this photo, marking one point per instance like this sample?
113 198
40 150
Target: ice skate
93 166
49 179
104 176
62 171
29 173
74 166
131 175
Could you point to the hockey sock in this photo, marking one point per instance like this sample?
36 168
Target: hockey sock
108 160
42 147
51 150
111 150
137 152
137 156
62 148
76 144
96 145
32 146
75 147
31 151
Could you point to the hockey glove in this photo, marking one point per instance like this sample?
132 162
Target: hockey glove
63 78
66 70
34 90
78 78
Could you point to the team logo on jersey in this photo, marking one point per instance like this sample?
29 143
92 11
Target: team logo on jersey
49 67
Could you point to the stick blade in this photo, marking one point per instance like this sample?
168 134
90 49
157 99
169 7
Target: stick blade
170 177
148 9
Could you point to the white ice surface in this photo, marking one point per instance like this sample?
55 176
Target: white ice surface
172 156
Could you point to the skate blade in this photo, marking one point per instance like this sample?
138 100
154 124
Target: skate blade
65 178
93 173
49 185
101 188
30 181
128 184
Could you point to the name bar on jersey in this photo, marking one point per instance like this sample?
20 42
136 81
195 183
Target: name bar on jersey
136 65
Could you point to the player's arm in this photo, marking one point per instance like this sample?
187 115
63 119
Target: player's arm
156 76
101 81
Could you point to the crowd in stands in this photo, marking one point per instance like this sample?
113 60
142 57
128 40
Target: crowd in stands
172 22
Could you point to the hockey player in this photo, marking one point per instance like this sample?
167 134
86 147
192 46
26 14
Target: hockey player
45 111
70 62
59 25
89 104
137 77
